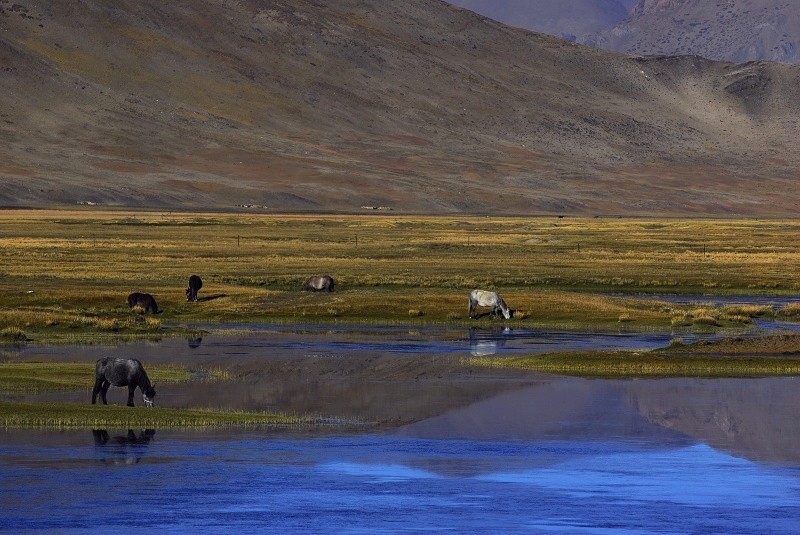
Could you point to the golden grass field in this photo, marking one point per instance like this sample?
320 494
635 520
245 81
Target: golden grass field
65 277
66 274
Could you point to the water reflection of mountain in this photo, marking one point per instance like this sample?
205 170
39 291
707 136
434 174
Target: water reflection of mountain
387 389
395 377
563 409
753 418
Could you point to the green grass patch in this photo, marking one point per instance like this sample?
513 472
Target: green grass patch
40 377
84 416
624 364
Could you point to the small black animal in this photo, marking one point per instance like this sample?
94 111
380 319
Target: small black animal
321 283
145 301
195 283
122 372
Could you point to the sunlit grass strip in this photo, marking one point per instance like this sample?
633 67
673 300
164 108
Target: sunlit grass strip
646 364
66 274
38 377
77 416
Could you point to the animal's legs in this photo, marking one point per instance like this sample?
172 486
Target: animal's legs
131 388
104 390
98 383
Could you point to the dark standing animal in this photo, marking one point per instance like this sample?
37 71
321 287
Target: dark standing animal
195 283
485 298
122 449
122 372
144 301
322 283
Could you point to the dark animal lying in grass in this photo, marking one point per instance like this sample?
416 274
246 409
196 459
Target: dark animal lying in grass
323 283
122 372
143 301
493 300
195 283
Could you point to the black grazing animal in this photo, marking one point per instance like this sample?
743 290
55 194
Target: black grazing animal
122 372
195 283
321 283
144 301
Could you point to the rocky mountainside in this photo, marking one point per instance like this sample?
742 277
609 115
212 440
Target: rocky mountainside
731 30
415 105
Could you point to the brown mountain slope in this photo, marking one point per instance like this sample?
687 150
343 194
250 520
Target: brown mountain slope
416 105
731 30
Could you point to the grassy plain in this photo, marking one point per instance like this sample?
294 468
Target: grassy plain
66 274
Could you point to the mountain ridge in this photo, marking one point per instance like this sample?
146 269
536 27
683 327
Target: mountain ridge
730 30
417 106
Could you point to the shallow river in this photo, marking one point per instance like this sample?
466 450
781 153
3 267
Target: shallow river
440 450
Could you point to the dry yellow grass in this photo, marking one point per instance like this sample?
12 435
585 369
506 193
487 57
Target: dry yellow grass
70 271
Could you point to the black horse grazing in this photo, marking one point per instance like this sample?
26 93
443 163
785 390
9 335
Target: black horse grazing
322 283
122 372
144 301
195 283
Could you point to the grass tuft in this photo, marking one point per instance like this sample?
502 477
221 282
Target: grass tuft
40 377
84 416
620 364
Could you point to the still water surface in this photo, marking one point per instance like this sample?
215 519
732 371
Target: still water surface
253 482
495 454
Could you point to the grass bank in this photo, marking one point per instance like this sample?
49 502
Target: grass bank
66 274
17 378
42 377
774 355
83 416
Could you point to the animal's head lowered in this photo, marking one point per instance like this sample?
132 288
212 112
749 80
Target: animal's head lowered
188 294
507 312
149 396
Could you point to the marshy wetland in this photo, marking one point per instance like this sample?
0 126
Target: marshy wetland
648 372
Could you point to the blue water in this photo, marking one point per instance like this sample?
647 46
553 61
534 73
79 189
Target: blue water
255 482
553 456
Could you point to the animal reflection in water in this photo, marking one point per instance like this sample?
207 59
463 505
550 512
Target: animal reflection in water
122 372
485 298
122 449
483 343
